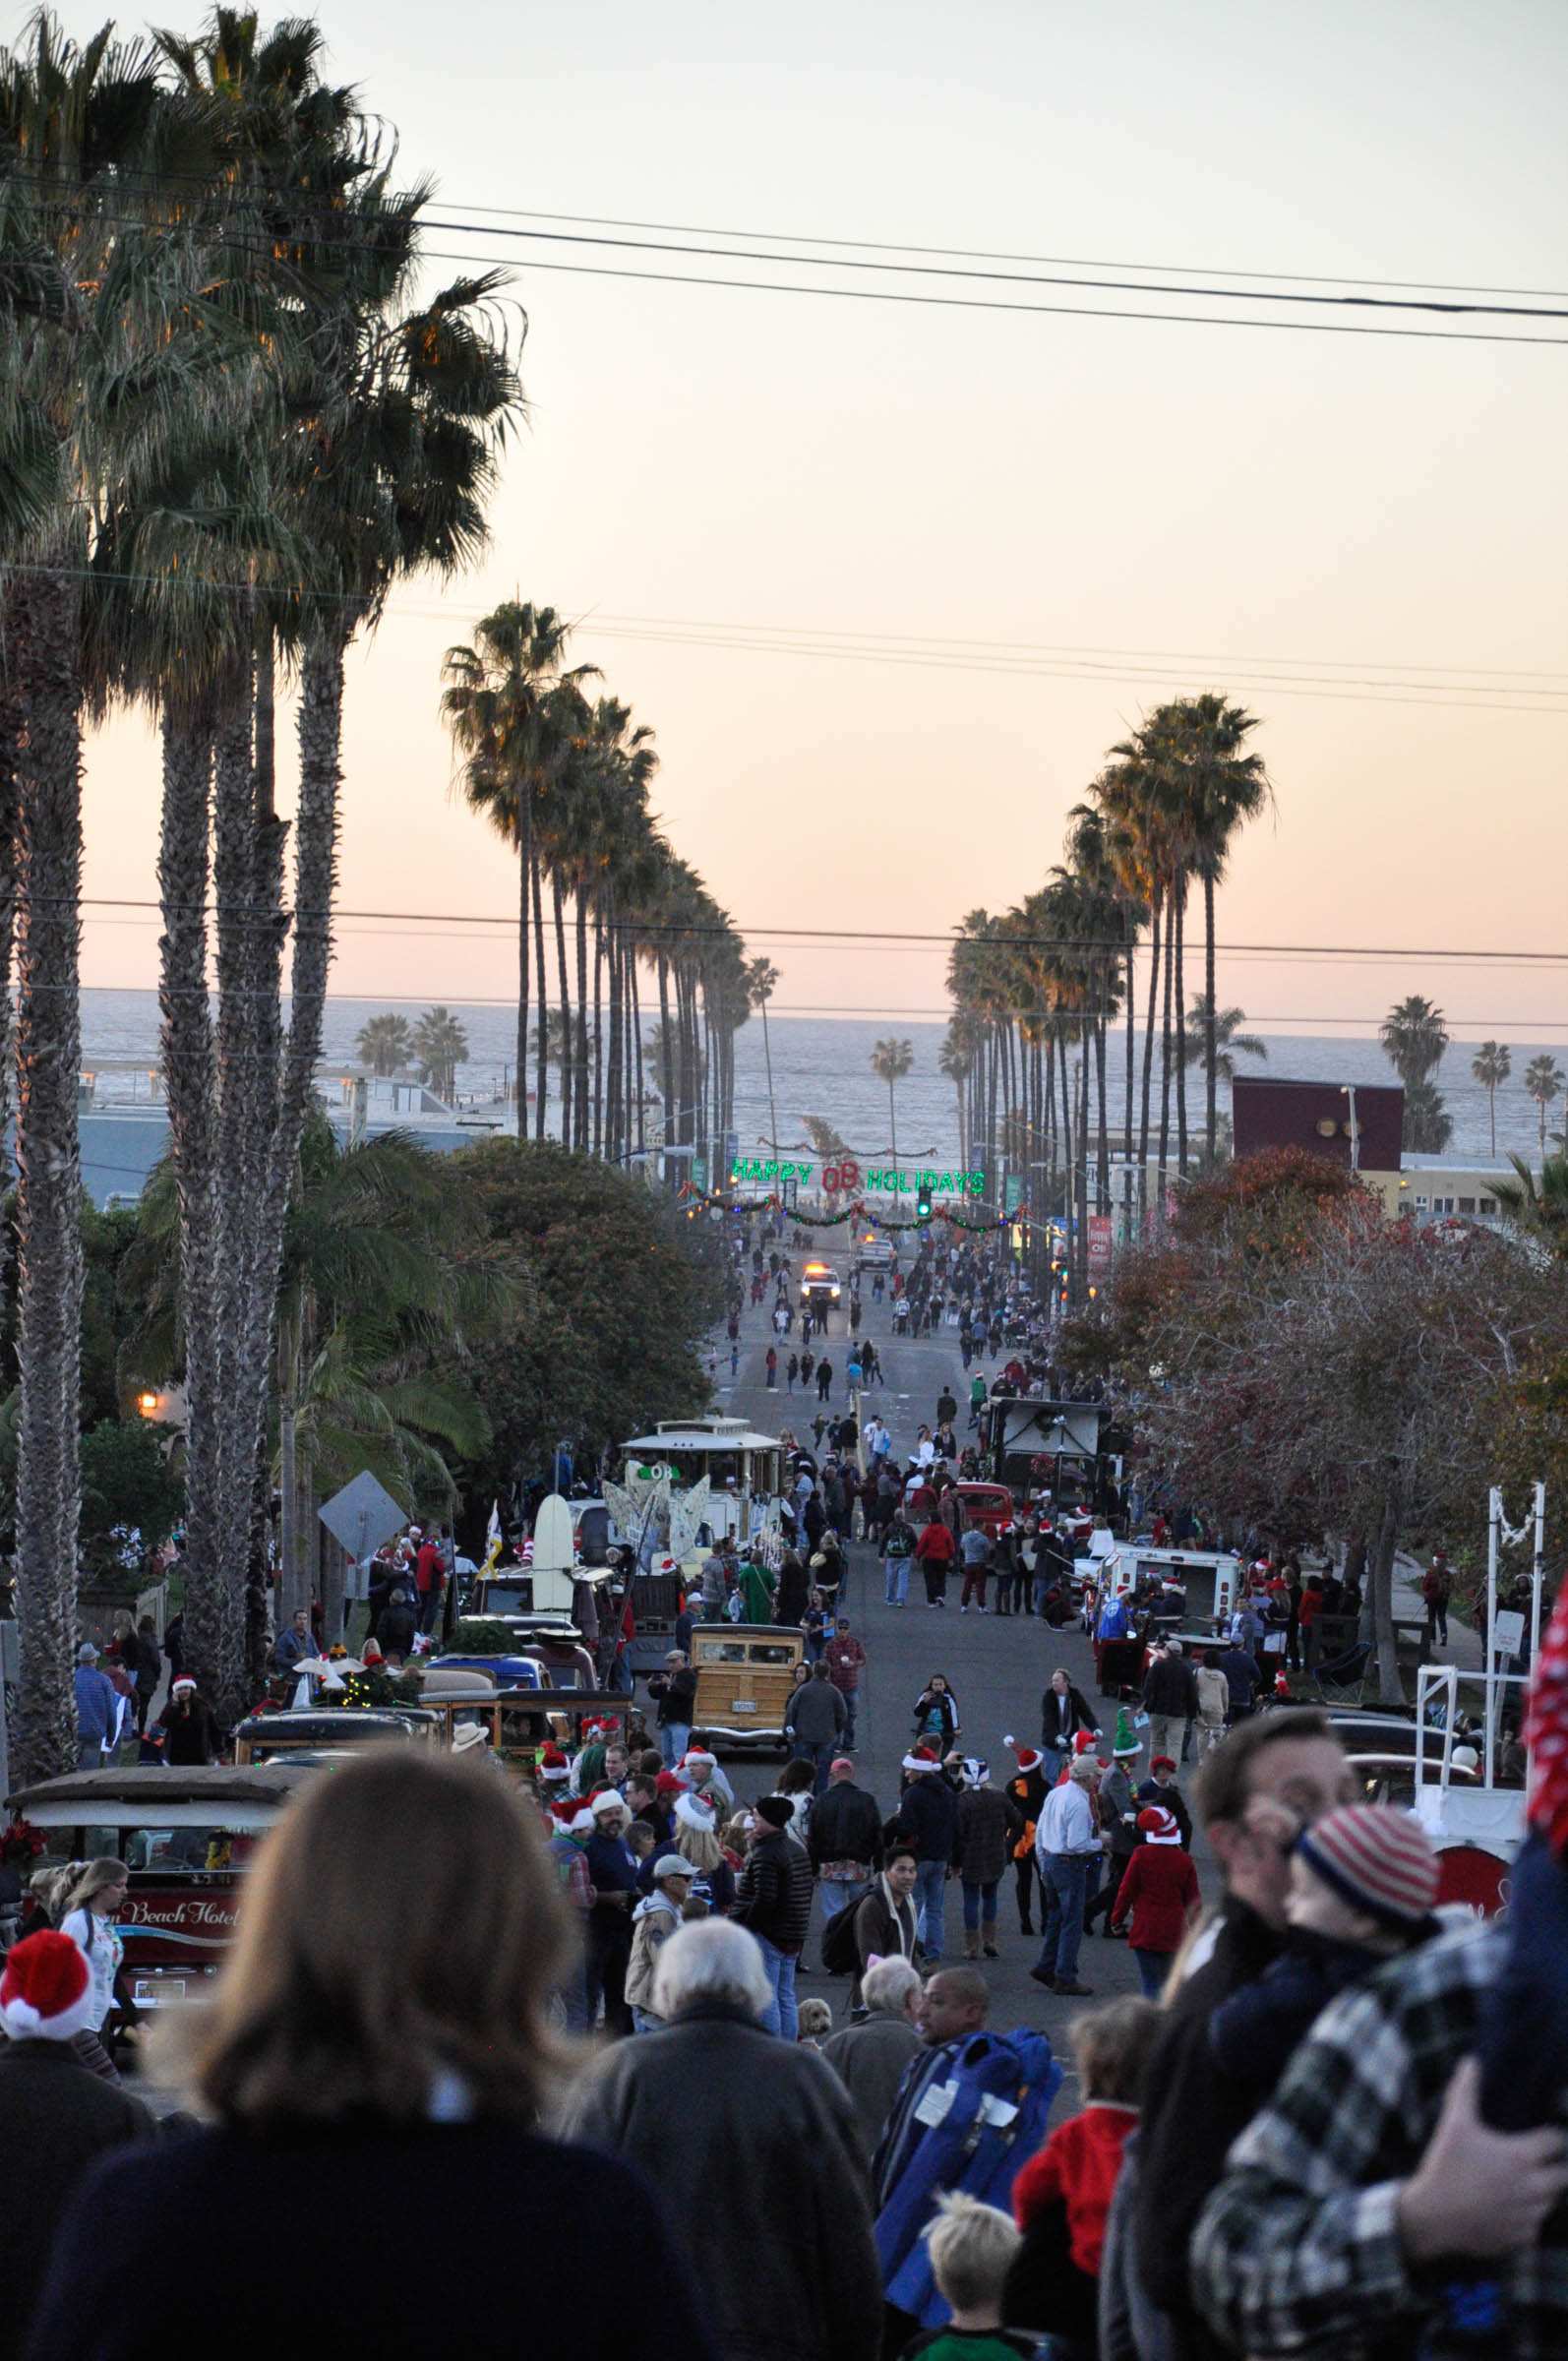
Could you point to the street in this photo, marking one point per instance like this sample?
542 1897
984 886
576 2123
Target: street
996 1665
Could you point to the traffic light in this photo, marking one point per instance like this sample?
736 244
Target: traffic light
922 1203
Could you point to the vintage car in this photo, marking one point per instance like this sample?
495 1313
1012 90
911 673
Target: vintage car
745 1679
186 1836
988 1505
265 1737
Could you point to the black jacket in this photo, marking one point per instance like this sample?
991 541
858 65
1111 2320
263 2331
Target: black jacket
1190 2115
677 1696
846 1825
1061 1717
1171 1687
774 1895
256 2213
57 2118
781 2240
395 1630
928 1813
984 1821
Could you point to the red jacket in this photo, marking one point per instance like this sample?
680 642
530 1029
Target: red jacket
1077 2169
429 1572
1159 1890
937 1544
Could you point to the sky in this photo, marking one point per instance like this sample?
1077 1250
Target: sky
1208 507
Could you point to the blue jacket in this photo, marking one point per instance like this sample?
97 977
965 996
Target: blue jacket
97 1706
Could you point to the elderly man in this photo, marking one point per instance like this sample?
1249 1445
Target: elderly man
871 2058
1066 1843
97 1711
712 2104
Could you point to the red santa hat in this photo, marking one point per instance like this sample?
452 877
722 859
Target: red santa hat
666 1785
46 1992
1158 1826
692 1812
185 1686
572 1817
1028 1757
1085 1741
553 1765
922 1759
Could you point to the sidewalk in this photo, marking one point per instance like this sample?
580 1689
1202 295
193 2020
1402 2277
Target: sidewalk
1465 1646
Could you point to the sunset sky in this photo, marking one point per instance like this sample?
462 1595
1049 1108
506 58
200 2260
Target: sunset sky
1204 506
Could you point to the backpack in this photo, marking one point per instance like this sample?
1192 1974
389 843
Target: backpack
840 1950
982 2125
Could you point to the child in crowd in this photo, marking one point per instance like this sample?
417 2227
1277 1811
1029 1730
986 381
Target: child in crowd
1063 2196
1364 1883
1160 1894
1161 1787
972 2249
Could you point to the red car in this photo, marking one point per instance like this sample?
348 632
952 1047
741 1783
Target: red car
988 1505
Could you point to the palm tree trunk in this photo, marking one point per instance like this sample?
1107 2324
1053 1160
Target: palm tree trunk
42 662
12 722
614 1120
570 1055
1210 1021
1491 1110
635 1029
1103 1143
542 1079
1164 1056
773 1109
524 870
1131 1029
667 1062
1148 1050
1179 897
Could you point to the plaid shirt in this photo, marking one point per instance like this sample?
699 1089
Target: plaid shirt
1298 2251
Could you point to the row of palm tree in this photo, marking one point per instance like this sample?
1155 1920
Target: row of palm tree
564 773
1414 1037
1544 1081
1037 989
228 425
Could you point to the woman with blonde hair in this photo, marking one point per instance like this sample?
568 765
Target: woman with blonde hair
87 1908
696 1840
380 2023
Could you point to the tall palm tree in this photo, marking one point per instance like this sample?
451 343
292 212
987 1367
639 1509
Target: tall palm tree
956 1063
762 982
1544 1082
512 726
441 1044
1224 1032
386 1044
890 1061
1414 1035
1491 1066
101 317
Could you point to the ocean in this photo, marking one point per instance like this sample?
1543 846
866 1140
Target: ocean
821 1065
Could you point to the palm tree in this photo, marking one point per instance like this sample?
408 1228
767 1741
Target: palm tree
441 1044
386 1044
762 982
1225 1034
956 1062
512 707
1491 1066
1543 1080
890 1061
1541 1209
1414 1035
1428 1128
98 363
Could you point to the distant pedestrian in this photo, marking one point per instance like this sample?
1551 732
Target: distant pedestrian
824 1379
734 1359
97 1711
771 1368
792 1370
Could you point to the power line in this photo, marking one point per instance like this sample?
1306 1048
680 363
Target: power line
982 254
827 938
343 236
343 226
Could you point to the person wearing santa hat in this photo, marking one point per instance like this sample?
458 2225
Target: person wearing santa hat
698 1771
54 2110
191 1735
1159 1896
1026 1792
927 1814
571 1824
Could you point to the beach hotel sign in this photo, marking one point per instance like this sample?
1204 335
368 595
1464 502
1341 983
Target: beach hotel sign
880 1181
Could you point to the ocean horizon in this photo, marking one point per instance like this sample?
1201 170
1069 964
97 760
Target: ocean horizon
821 1065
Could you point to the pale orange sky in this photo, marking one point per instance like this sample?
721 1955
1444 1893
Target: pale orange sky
867 468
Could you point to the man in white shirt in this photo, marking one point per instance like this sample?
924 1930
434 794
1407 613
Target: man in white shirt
1066 1841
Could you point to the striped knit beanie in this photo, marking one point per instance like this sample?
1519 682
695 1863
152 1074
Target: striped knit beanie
1375 1858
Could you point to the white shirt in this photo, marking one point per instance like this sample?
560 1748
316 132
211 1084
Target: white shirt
104 1951
1066 1822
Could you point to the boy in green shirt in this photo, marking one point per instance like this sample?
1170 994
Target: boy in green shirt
972 2248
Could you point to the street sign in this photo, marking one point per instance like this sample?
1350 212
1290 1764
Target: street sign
1013 1192
1100 1240
1509 1631
359 1519
699 1173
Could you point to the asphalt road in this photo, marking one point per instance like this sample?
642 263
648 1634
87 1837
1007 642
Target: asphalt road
998 1665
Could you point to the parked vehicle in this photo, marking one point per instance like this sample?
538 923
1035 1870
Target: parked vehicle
186 1838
